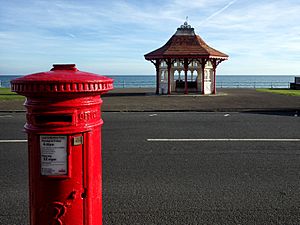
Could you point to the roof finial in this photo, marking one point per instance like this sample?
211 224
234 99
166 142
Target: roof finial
185 24
186 21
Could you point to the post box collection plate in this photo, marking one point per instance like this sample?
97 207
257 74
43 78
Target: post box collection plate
54 160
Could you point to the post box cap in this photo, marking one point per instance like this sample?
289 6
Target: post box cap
62 79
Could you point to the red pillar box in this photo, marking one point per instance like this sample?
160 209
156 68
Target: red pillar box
64 144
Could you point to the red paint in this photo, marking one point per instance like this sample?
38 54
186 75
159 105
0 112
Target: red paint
65 102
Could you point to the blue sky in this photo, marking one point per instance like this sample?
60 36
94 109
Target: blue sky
111 37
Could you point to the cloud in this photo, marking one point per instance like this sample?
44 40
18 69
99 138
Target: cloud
123 31
259 29
219 11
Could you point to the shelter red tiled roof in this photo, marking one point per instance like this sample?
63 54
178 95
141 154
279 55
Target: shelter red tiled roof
185 43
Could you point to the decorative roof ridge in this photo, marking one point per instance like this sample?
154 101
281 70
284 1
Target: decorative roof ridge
185 29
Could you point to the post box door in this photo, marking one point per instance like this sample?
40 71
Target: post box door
62 179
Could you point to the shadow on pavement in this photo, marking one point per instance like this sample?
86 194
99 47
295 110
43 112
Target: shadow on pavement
276 112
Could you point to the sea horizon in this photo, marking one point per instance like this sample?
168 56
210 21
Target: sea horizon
155 75
222 81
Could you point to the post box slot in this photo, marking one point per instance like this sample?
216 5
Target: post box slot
43 119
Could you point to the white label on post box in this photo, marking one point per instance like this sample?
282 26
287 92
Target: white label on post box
53 155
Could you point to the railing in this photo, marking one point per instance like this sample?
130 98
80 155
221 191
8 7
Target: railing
253 84
220 84
133 84
4 84
125 84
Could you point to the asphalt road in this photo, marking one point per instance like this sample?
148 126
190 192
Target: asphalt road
209 181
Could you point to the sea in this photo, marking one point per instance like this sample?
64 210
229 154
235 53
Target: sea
223 81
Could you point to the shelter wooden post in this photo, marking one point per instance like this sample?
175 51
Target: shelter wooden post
186 67
157 64
203 62
214 64
169 64
197 83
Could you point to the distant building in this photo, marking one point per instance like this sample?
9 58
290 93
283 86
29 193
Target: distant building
186 63
296 84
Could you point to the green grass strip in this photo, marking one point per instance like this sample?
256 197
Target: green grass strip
6 94
289 92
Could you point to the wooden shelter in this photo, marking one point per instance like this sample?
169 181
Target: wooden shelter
186 53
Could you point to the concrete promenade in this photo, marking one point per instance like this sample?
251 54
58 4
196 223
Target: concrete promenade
226 100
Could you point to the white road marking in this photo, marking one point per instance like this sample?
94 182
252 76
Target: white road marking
227 114
6 116
13 141
222 139
153 115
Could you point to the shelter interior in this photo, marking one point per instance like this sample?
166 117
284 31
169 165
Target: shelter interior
194 76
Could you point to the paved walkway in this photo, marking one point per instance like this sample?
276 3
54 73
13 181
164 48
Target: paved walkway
226 100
